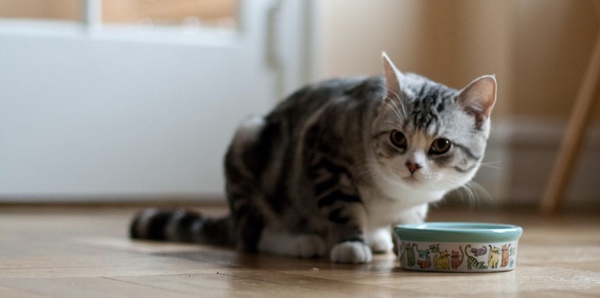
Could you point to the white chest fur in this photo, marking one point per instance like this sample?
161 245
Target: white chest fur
408 206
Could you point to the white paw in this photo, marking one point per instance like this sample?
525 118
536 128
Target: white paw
380 241
351 252
308 246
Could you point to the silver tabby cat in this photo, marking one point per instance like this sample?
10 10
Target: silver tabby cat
335 165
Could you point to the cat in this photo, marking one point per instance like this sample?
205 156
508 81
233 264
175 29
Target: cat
455 260
493 257
478 251
441 261
335 164
505 255
472 261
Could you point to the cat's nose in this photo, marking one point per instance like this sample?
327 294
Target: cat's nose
412 167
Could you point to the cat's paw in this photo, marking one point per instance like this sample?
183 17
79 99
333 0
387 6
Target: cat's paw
380 240
351 252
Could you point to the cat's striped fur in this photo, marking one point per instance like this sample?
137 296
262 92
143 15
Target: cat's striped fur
335 164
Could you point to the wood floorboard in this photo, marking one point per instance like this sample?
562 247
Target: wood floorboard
85 252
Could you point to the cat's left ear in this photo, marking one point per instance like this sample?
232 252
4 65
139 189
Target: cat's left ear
478 98
392 78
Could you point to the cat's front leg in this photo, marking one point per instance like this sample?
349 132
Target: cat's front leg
380 240
341 208
347 233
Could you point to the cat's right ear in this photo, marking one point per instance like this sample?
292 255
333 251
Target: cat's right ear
392 78
479 97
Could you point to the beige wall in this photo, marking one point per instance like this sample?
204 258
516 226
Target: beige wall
537 48
452 42
553 44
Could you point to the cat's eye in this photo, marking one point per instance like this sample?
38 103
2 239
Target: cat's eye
440 146
398 139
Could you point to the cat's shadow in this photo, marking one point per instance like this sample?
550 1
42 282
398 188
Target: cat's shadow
228 258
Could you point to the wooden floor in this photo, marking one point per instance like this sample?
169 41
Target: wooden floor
85 252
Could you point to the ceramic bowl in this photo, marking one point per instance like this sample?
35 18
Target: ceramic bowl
458 246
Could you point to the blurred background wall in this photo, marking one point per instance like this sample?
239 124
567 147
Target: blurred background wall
538 49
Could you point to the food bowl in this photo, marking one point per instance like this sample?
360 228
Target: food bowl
458 246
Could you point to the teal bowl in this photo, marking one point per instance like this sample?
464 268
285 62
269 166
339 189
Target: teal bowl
458 246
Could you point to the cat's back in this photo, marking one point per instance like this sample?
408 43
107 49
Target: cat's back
343 92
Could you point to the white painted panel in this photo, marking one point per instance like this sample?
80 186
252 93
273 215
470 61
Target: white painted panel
120 113
118 117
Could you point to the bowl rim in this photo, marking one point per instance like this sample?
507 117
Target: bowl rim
458 232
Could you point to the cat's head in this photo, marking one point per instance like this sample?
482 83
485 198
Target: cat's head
428 136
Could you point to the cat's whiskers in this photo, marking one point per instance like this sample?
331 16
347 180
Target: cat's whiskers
395 124
473 191
493 164
394 109
401 109
462 191
399 100
471 197
480 190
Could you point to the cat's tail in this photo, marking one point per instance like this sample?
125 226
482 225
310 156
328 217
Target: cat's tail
181 226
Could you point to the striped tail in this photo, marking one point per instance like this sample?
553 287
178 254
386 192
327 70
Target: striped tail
181 226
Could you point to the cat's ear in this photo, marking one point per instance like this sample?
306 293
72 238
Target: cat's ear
478 98
392 77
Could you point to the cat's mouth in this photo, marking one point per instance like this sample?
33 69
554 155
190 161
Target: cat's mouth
411 180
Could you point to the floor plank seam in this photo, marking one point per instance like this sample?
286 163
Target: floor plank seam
145 285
